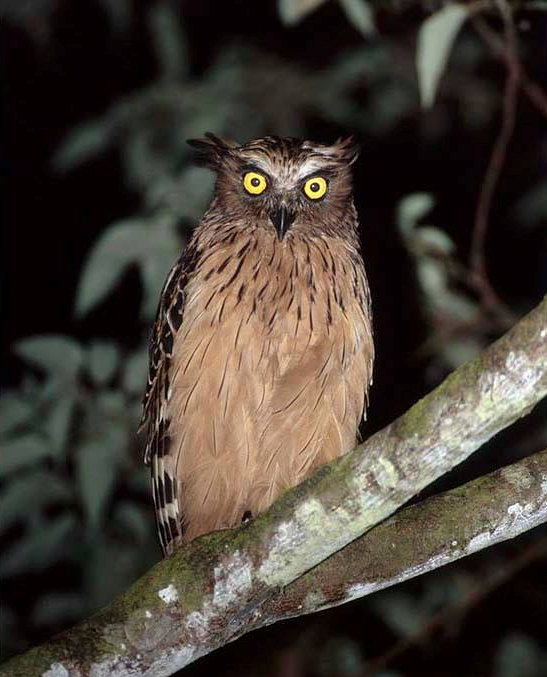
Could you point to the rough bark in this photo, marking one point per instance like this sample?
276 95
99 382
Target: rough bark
214 589
420 538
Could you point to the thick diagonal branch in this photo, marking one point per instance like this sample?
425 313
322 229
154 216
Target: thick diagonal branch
422 537
214 589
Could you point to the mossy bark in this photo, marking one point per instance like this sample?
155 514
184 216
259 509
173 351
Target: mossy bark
214 589
422 537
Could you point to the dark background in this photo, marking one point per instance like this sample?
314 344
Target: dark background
150 75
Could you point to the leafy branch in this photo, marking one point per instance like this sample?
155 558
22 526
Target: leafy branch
221 586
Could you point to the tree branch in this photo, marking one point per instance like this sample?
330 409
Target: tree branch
213 590
422 537
481 588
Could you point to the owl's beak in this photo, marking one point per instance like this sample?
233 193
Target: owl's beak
282 218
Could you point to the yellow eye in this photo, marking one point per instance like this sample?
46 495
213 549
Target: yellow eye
315 187
254 183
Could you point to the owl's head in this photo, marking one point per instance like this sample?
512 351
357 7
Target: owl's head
282 183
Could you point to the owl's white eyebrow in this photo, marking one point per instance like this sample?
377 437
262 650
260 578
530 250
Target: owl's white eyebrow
325 172
310 167
254 168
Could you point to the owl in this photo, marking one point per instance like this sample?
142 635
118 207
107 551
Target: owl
261 355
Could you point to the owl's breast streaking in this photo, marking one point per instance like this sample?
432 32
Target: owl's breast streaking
268 372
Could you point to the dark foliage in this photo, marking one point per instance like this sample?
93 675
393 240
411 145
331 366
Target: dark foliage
99 98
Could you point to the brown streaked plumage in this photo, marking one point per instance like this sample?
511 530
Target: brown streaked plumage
261 355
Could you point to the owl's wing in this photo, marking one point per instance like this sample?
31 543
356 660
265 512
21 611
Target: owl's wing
157 454
362 292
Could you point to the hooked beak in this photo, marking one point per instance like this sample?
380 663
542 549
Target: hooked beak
282 219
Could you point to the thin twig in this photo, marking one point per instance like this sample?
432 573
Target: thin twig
497 160
536 550
532 90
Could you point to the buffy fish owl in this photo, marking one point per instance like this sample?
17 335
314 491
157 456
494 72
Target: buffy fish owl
261 354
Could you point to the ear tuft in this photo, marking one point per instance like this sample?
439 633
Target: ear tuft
211 149
346 150
341 152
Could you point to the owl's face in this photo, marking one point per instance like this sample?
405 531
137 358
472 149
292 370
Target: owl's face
283 184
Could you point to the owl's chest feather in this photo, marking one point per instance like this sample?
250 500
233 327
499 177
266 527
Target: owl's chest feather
263 318
292 289
270 368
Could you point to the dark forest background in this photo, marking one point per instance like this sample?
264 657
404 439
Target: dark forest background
99 195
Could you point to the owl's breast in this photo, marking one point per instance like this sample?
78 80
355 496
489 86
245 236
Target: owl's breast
289 294
270 367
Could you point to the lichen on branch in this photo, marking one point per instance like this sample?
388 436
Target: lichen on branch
422 537
217 587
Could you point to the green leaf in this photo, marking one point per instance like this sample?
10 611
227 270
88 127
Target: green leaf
532 207
26 495
411 209
433 278
360 15
401 612
162 249
59 418
31 386
292 11
458 351
96 473
135 372
40 547
338 655
439 299
122 566
434 241
435 39
19 452
153 245
83 143
190 194
133 519
538 5
168 40
55 354
140 480
14 411
519 656
112 404
121 245
103 360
